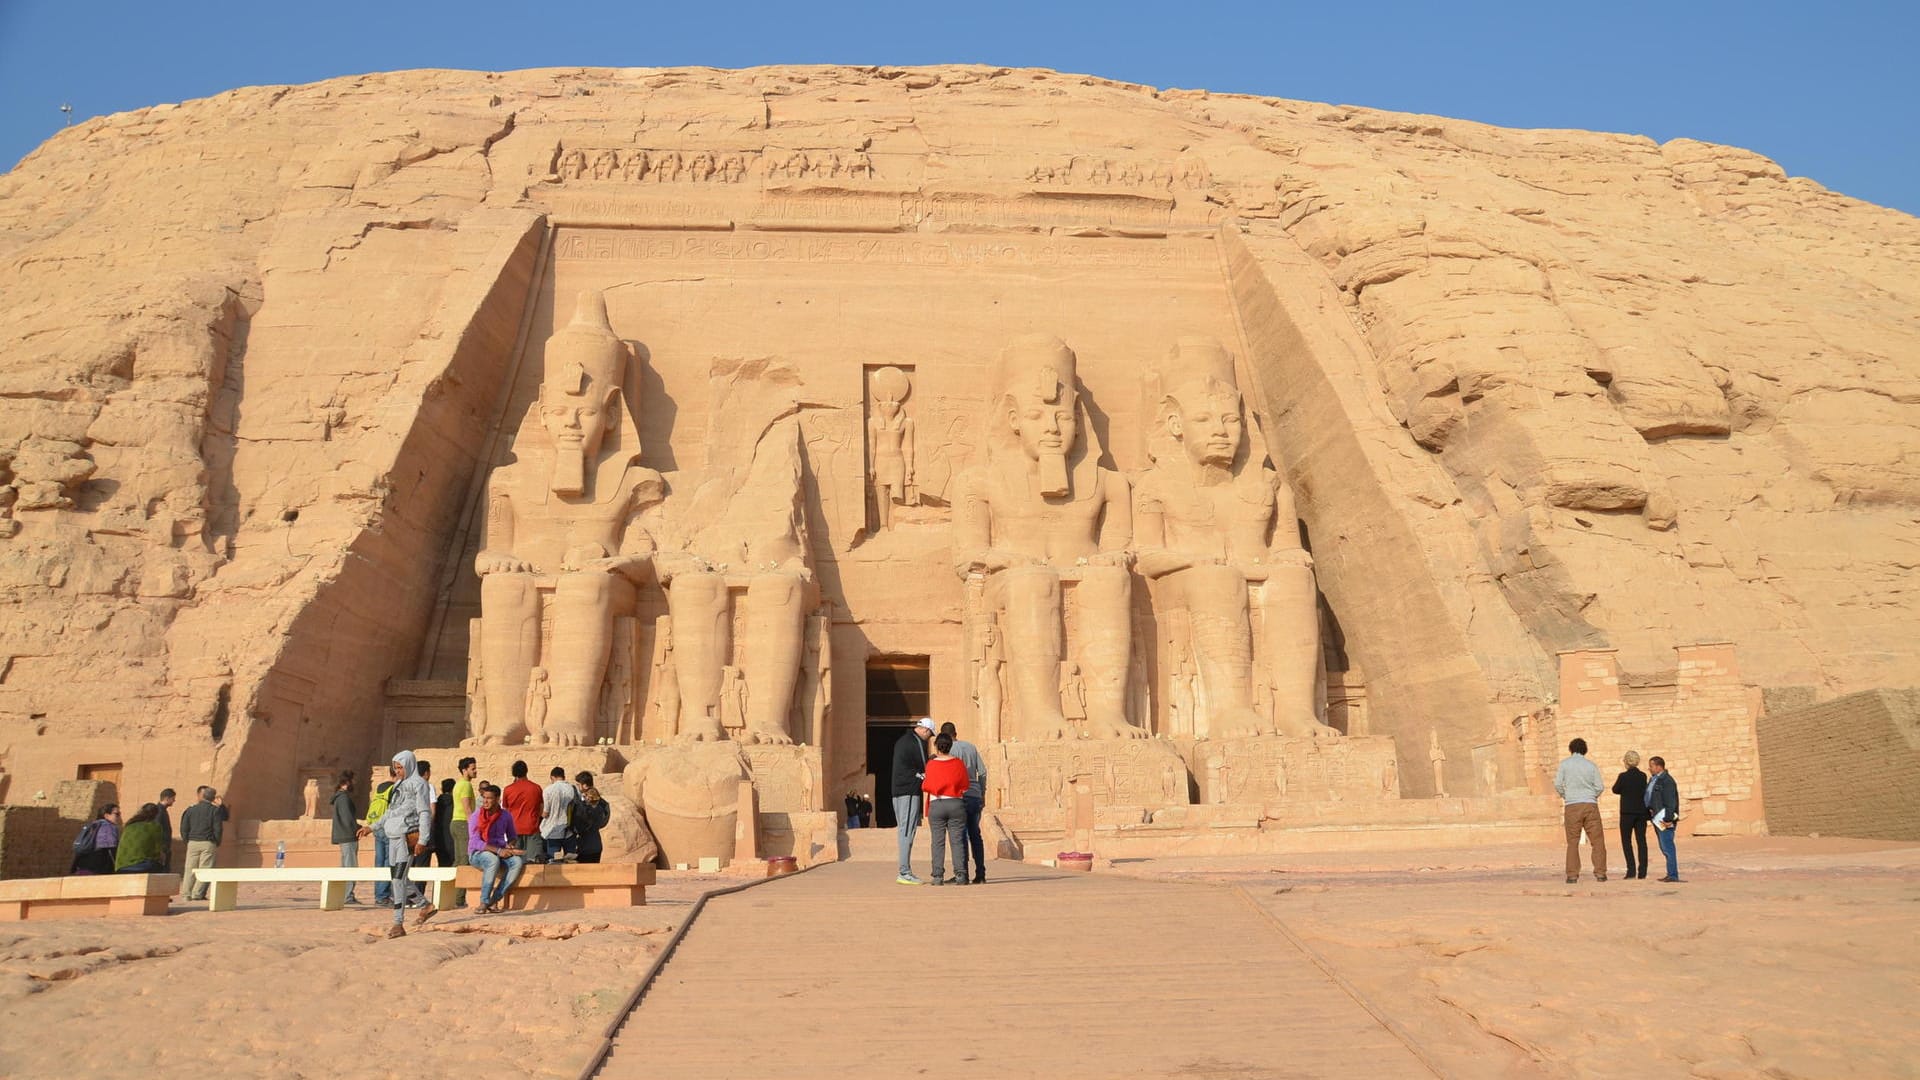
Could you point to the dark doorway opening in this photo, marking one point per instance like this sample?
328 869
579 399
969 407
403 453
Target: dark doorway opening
898 693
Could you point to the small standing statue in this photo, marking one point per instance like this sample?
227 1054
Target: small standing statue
890 444
312 795
538 691
1073 691
1439 759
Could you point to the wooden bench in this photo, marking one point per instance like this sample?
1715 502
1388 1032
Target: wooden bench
223 883
86 896
560 886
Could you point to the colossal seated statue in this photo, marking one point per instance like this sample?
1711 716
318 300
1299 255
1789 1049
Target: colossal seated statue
1039 509
553 516
1215 532
575 529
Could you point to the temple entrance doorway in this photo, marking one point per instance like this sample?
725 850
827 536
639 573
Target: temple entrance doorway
898 693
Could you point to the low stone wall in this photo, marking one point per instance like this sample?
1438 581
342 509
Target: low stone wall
1846 767
36 839
1698 717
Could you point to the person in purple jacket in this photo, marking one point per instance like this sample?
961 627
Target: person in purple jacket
493 845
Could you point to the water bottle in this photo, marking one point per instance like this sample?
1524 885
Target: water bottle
280 855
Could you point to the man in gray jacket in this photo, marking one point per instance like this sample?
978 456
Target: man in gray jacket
407 831
1578 782
975 801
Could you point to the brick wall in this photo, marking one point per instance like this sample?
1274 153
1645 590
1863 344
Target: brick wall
1699 717
1846 767
36 840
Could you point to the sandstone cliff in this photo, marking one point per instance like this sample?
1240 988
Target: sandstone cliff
1536 390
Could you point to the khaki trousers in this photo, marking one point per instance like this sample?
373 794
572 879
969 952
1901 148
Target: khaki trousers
460 858
1585 816
199 856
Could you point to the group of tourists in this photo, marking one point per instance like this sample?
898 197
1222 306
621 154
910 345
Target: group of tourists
940 780
1644 801
468 822
143 843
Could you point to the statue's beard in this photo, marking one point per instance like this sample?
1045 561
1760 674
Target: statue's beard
569 469
1055 480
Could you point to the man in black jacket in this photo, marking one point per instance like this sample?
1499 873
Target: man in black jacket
909 768
1663 803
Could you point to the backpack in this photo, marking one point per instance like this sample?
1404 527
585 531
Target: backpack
377 804
89 838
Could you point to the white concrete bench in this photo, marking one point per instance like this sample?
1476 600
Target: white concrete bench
223 883
87 895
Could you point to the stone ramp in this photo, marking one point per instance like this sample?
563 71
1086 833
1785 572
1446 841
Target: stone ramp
841 973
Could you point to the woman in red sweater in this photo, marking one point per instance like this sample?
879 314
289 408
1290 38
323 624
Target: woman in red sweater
946 810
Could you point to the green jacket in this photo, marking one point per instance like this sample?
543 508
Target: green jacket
140 842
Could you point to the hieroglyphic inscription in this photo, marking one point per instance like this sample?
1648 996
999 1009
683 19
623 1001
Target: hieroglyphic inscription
613 245
1120 772
1084 171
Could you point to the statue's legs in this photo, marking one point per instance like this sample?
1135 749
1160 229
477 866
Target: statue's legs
509 645
775 627
702 643
583 610
1216 601
1104 599
1030 598
1291 616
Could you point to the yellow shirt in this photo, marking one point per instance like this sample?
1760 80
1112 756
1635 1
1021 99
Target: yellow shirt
462 790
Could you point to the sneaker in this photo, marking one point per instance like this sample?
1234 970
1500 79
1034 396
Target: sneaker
354 900
941 881
396 930
955 880
1675 880
1573 881
1599 877
908 879
980 877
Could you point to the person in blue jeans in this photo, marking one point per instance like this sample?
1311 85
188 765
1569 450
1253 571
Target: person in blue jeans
1663 804
975 801
493 847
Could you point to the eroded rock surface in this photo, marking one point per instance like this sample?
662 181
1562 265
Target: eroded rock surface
1533 390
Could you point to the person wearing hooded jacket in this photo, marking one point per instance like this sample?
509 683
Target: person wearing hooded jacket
407 831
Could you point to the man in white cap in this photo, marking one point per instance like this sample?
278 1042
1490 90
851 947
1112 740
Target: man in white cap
909 768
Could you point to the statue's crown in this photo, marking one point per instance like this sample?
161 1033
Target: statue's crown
585 357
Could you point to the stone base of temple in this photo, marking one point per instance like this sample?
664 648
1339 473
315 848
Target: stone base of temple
1171 773
1291 826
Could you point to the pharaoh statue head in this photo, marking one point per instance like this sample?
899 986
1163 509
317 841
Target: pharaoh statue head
580 399
890 389
1037 402
1200 408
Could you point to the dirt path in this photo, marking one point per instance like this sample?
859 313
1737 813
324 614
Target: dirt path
843 973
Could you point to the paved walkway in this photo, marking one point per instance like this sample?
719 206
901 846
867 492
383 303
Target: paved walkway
841 973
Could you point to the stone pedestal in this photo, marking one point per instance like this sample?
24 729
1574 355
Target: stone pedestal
496 762
692 794
1280 768
1124 772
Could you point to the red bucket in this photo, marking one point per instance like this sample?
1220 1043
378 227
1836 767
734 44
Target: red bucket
1081 861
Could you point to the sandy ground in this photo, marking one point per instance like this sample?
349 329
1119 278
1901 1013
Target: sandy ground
1780 958
279 988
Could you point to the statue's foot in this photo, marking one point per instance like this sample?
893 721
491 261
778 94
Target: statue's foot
1240 724
1305 725
1049 730
489 740
568 740
762 737
702 733
1110 728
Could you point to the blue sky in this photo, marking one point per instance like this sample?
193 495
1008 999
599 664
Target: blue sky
1829 90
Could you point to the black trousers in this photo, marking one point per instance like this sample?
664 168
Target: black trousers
1634 830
